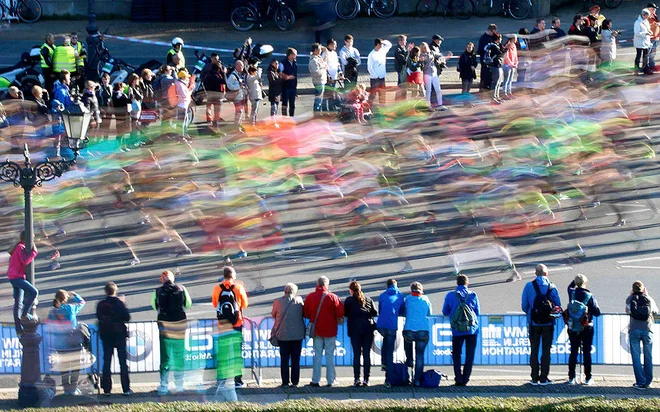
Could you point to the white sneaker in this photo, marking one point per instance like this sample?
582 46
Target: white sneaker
589 382
572 381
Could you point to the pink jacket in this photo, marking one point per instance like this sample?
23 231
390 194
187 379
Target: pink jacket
18 260
511 57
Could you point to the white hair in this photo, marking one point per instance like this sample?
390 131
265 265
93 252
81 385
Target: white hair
290 289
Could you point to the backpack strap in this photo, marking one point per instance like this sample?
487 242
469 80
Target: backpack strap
461 299
536 287
587 298
550 287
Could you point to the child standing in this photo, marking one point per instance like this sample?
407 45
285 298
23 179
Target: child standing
254 87
414 68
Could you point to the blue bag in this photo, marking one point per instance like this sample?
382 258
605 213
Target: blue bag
398 375
431 379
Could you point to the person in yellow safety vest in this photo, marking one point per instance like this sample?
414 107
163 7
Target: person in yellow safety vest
79 47
47 50
177 45
64 57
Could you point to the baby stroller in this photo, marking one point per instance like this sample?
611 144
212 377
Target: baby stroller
70 353
354 106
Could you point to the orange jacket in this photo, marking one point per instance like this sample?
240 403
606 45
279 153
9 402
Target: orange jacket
241 298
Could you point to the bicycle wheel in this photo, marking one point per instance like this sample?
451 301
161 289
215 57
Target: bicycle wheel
482 7
385 8
426 8
29 10
347 9
461 9
520 9
243 18
284 18
613 4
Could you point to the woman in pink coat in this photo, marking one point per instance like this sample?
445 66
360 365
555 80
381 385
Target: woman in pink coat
24 292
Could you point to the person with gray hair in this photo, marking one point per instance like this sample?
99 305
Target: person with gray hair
641 307
582 308
642 41
324 310
289 329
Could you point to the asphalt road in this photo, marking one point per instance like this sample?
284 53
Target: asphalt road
91 256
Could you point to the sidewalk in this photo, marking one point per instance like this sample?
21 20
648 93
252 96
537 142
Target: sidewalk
270 392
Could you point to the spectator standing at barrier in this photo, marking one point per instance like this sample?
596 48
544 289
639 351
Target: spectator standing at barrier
331 59
641 307
462 305
215 84
146 86
324 309
289 329
486 38
539 301
47 51
229 299
467 71
237 91
524 60
556 26
642 41
509 65
24 292
390 304
401 53
171 301
184 88
416 329
433 64
359 311
112 315
319 72
349 57
494 57
655 29
289 75
91 102
255 91
61 91
376 65
608 43
274 87
120 103
582 308
62 318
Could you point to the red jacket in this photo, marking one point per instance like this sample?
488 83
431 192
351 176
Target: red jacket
331 311
18 260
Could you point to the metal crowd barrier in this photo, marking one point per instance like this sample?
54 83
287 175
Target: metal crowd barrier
503 340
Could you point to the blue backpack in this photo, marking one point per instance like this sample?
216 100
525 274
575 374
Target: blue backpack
578 313
431 379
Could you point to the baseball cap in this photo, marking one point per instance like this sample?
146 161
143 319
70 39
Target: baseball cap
437 37
651 5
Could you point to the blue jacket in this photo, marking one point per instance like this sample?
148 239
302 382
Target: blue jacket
62 95
390 303
529 294
417 309
452 302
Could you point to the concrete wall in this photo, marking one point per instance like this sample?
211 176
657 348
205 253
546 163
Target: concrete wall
79 7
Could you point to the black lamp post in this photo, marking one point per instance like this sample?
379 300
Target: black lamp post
76 120
93 41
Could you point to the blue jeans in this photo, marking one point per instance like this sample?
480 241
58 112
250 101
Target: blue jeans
420 338
643 375
318 96
24 295
508 78
387 349
328 345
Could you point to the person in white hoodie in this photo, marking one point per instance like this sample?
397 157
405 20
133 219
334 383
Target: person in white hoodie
319 71
376 66
331 59
254 88
642 41
184 88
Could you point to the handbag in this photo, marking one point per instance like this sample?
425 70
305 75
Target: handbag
311 333
273 333
136 108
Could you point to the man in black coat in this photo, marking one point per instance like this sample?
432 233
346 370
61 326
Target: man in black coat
486 38
401 53
113 315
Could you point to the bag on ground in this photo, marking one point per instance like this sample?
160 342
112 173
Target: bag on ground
463 319
398 375
227 306
431 379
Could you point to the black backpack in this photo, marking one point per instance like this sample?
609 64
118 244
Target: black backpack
640 307
543 305
227 306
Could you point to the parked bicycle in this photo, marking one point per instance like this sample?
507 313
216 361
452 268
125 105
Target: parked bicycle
610 4
243 18
348 9
28 11
461 9
518 9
